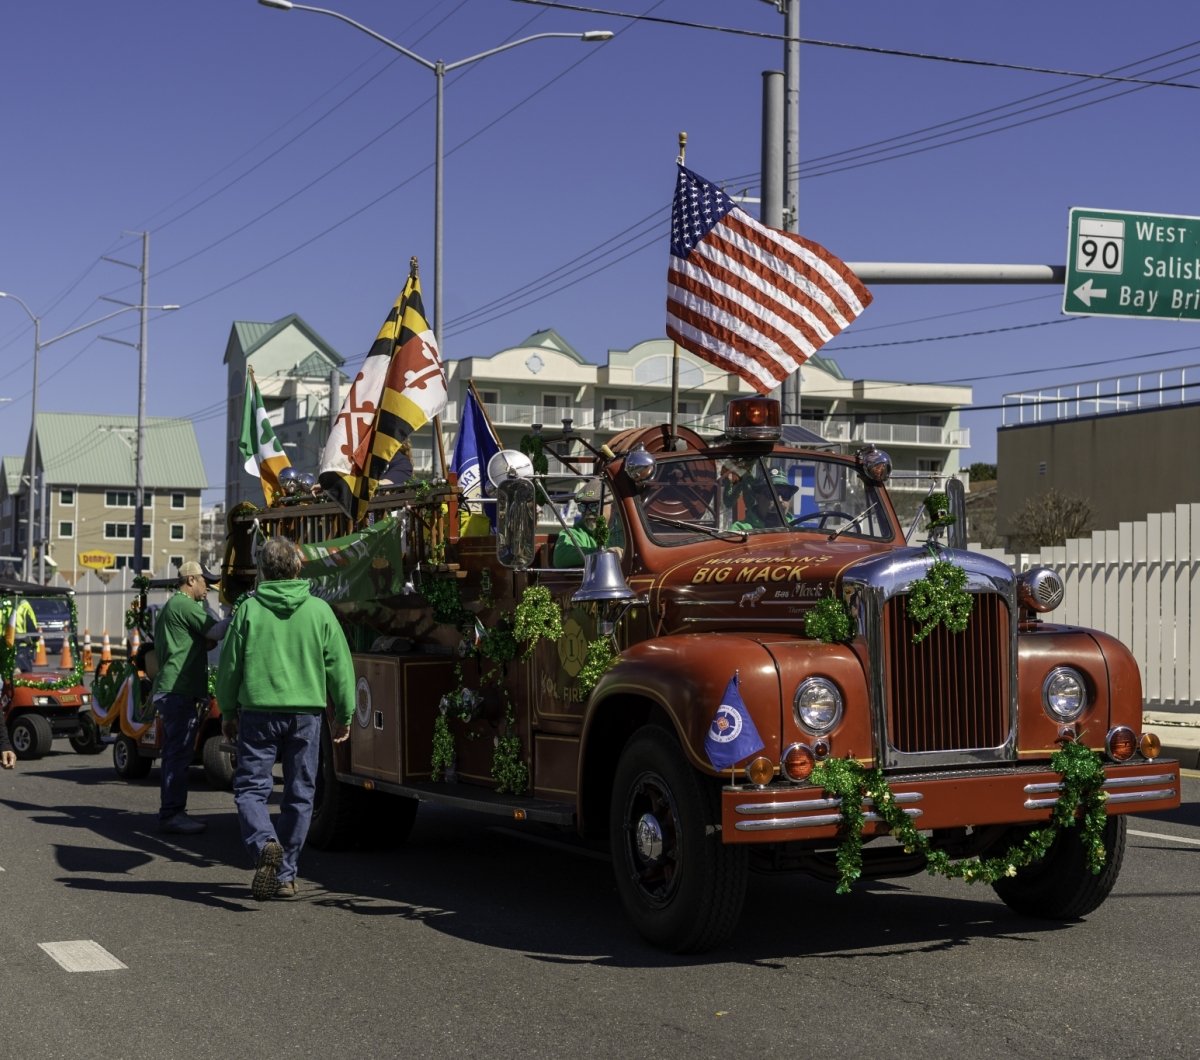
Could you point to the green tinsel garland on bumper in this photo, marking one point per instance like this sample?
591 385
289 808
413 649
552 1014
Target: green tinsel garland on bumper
1081 768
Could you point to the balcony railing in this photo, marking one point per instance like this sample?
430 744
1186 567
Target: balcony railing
610 422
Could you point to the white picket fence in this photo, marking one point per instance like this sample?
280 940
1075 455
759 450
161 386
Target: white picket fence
1141 584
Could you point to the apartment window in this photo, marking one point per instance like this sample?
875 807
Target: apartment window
127 561
177 562
178 501
66 529
126 499
124 531
177 531
66 498
489 397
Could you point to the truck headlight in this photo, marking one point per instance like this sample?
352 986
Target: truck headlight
1064 694
817 705
43 701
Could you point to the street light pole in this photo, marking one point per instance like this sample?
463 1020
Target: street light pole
38 346
439 70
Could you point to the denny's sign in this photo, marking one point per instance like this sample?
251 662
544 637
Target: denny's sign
97 560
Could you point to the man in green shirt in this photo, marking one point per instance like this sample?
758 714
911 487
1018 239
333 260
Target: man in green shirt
183 635
285 658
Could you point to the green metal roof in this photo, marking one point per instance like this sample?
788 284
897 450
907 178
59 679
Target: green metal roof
13 466
253 335
550 339
81 449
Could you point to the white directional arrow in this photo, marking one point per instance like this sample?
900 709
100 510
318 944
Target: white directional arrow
1085 292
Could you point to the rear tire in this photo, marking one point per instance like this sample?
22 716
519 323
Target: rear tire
127 762
218 764
32 736
1061 886
335 805
680 885
86 740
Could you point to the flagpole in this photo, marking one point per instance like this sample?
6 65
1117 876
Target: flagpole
483 409
675 345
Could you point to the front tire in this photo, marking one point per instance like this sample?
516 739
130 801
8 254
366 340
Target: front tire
1061 886
32 736
127 762
680 885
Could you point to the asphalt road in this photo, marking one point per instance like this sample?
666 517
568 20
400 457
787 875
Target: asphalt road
477 939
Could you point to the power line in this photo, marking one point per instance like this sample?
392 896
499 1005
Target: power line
869 49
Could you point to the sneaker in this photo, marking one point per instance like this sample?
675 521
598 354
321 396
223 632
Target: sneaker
286 891
181 824
265 884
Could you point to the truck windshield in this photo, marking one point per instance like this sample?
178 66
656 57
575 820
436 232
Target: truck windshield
694 496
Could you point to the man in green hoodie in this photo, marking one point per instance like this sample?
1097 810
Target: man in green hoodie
284 658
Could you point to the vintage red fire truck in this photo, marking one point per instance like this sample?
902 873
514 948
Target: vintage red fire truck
583 696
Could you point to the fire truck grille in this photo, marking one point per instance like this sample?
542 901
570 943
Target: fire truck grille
951 691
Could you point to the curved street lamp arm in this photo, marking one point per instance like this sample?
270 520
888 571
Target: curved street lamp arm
358 25
101 320
589 35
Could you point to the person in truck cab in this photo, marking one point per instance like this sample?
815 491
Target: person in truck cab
762 509
580 540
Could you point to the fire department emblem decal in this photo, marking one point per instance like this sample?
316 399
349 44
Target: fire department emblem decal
726 725
362 702
572 647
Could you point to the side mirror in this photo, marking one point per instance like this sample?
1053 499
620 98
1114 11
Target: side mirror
956 500
516 522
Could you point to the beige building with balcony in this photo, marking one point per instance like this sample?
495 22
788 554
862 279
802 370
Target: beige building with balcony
545 380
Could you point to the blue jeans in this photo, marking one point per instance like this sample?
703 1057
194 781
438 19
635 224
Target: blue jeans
180 720
265 737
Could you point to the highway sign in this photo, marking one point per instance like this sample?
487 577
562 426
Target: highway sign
1132 265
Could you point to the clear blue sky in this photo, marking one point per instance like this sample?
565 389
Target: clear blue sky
282 162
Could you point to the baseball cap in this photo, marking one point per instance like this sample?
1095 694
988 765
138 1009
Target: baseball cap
780 482
191 569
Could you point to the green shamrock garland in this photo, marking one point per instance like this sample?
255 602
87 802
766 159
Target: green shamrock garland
941 596
829 621
1081 768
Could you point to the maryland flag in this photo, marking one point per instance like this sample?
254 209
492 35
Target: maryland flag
341 471
414 392
264 455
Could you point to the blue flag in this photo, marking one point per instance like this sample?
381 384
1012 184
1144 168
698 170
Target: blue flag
475 446
731 736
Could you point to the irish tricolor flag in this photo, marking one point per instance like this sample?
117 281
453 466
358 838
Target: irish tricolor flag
265 457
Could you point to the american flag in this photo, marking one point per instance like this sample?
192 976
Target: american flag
750 299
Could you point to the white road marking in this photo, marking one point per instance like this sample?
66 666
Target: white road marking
1161 835
82 956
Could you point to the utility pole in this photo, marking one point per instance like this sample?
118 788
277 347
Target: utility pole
139 458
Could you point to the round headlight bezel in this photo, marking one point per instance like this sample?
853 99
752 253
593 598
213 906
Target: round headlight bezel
1054 689
804 703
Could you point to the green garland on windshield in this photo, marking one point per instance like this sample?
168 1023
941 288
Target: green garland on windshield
1081 768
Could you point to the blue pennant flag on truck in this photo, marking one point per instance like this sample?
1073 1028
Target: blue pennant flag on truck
731 735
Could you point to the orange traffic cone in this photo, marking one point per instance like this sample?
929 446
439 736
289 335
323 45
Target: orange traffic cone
135 642
65 662
105 656
87 650
39 656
